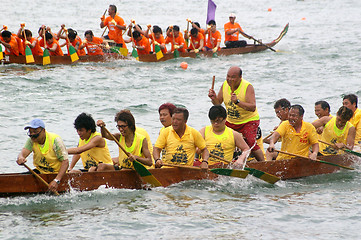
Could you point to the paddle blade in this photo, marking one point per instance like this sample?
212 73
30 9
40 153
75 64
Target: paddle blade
230 172
1 53
176 53
135 54
146 175
215 55
158 52
29 55
73 55
46 57
123 51
263 175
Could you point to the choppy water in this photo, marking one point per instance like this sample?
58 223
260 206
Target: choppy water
318 60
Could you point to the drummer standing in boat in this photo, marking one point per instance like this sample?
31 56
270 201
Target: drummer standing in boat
242 116
49 152
231 33
115 25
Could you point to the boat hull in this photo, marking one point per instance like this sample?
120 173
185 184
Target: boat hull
19 184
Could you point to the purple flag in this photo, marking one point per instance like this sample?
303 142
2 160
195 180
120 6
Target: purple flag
211 13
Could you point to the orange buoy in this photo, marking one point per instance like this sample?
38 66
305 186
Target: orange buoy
270 9
303 18
184 65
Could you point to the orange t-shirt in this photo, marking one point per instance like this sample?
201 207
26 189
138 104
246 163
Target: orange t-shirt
196 41
80 52
58 51
14 47
37 51
20 44
144 42
229 26
115 33
177 41
94 49
213 39
160 40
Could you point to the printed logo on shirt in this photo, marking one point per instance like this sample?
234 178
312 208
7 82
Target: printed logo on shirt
46 167
218 150
232 111
180 157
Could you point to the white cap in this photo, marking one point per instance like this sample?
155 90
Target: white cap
232 15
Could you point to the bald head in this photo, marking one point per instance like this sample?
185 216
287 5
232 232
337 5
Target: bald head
234 70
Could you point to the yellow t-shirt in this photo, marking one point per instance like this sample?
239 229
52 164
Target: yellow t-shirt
92 157
180 150
135 149
222 145
356 122
332 134
297 143
236 114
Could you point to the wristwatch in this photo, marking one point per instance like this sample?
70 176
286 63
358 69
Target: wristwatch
237 101
57 181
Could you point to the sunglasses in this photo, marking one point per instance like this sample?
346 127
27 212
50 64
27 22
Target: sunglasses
121 126
34 136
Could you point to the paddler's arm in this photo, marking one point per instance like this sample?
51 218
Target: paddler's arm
7 45
241 144
22 156
147 159
53 185
216 99
62 155
74 160
53 48
205 156
350 140
273 139
96 141
156 156
250 103
314 153
104 133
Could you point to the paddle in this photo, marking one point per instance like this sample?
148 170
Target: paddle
157 50
187 40
343 149
40 178
134 52
317 160
29 58
267 177
107 25
260 42
210 38
72 52
220 171
46 55
139 168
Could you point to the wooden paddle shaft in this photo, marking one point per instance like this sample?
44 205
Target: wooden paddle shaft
181 166
218 157
117 142
40 178
295 155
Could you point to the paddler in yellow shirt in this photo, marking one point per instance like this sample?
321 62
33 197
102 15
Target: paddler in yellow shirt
92 148
297 136
350 101
180 142
49 152
322 109
222 140
337 131
134 143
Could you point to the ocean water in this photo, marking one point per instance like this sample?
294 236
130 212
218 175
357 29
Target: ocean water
318 59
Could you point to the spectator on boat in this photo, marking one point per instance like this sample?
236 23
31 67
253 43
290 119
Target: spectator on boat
92 147
214 37
156 38
52 45
134 143
297 136
141 43
166 111
337 131
242 116
322 108
49 152
175 38
180 142
350 101
10 43
92 44
222 140
197 41
115 25
232 31
30 41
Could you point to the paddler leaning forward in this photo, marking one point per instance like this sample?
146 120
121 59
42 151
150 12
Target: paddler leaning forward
49 152
297 136
92 147
242 116
180 142
134 143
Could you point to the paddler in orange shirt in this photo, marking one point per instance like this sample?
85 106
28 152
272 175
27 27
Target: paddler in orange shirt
197 41
32 42
10 43
232 31
115 25
93 44
156 36
214 37
52 45
141 43
175 38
